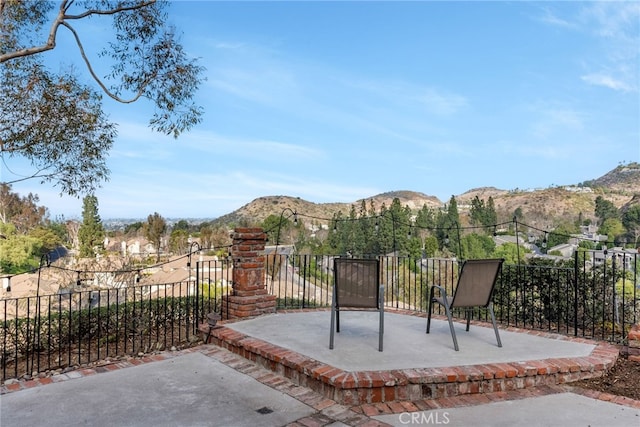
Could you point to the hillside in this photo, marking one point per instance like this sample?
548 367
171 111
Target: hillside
624 179
256 211
260 208
541 208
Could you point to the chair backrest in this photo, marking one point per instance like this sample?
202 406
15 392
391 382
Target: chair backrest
357 282
476 282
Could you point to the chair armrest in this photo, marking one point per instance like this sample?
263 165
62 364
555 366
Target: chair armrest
440 289
442 298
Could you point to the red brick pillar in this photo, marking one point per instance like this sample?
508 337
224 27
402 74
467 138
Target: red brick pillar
249 296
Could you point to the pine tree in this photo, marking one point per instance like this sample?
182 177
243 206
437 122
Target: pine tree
491 217
605 209
91 232
449 227
477 211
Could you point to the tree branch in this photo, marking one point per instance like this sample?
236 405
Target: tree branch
36 174
49 45
93 74
60 20
140 5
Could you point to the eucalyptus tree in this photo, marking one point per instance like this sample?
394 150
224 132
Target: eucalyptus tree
179 241
55 120
154 230
22 211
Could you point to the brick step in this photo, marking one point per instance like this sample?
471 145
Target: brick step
370 387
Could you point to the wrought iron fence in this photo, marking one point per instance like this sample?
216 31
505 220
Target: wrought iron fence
582 297
81 326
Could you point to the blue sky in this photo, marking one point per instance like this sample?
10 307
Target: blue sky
339 101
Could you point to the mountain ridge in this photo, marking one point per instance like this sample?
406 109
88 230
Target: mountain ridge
541 207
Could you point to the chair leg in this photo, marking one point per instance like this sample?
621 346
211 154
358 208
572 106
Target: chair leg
495 326
381 330
333 320
381 327
453 331
429 309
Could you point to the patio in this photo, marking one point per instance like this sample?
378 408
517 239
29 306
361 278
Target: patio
289 376
289 350
413 365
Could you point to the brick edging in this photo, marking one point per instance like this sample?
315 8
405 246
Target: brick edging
367 387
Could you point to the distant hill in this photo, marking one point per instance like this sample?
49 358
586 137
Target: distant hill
541 208
256 211
260 208
625 179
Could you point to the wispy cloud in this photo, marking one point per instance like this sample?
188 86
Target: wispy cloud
137 141
531 151
252 72
441 103
551 18
430 100
227 45
608 81
320 190
553 122
612 19
215 144
237 184
617 25
265 84
327 96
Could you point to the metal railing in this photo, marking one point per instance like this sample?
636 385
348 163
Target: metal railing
49 332
65 330
579 299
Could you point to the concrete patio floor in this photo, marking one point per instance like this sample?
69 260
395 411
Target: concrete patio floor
269 371
406 344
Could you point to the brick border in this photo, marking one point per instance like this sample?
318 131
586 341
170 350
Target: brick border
403 385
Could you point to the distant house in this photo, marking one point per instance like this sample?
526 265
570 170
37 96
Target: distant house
621 257
501 239
590 232
566 249
134 247
282 249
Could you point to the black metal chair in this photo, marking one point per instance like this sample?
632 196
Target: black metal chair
476 282
356 287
